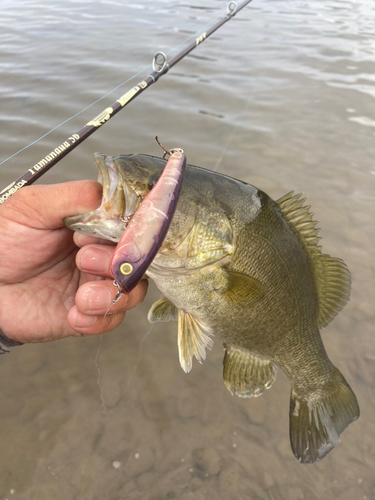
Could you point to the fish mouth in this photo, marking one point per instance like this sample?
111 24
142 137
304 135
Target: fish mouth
122 195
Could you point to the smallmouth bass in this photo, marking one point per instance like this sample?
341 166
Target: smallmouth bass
237 265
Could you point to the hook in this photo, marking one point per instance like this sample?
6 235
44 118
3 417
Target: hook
171 151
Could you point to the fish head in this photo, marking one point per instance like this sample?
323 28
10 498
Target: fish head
200 232
126 180
139 175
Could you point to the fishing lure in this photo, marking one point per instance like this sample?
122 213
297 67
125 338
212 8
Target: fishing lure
148 227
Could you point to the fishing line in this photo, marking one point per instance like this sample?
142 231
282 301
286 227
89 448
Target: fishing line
140 352
235 128
106 95
102 404
77 114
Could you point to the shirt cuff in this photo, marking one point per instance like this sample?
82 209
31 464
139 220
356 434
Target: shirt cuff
6 345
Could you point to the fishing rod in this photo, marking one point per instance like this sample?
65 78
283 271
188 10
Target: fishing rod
160 67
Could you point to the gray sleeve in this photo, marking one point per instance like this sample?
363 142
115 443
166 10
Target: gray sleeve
6 345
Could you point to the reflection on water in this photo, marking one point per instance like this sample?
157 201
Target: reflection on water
281 97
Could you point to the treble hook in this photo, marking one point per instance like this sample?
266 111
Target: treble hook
171 151
118 294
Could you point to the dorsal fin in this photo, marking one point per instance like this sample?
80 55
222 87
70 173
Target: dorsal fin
334 281
301 222
331 275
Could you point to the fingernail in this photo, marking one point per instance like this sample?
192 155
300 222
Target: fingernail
98 298
94 260
84 321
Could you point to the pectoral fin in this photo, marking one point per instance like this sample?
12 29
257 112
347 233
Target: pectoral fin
235 288
193 338
247 375
162 310
242 287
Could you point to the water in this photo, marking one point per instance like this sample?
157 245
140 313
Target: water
282 97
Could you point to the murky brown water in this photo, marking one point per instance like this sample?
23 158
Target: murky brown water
281 97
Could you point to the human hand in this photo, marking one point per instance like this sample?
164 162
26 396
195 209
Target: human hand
48 288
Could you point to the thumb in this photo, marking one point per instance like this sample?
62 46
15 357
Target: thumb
46 206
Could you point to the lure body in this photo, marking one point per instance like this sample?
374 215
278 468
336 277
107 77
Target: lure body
148 227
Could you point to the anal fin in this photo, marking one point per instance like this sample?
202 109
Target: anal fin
162 310
193 338
247 375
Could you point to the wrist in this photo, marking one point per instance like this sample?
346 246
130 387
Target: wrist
6 344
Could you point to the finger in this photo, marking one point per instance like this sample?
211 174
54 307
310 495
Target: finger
82 240
96 298
93 325
95 259
52 203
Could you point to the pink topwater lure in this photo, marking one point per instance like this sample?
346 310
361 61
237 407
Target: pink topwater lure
148 227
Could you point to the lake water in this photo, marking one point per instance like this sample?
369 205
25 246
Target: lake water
282 97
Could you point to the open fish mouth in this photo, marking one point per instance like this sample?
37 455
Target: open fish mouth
122 195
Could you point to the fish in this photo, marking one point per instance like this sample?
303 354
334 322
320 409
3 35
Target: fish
240 266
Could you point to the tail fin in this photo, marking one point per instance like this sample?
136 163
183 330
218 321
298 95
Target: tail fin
317 421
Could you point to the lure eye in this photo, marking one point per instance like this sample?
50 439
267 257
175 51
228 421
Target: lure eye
126 268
